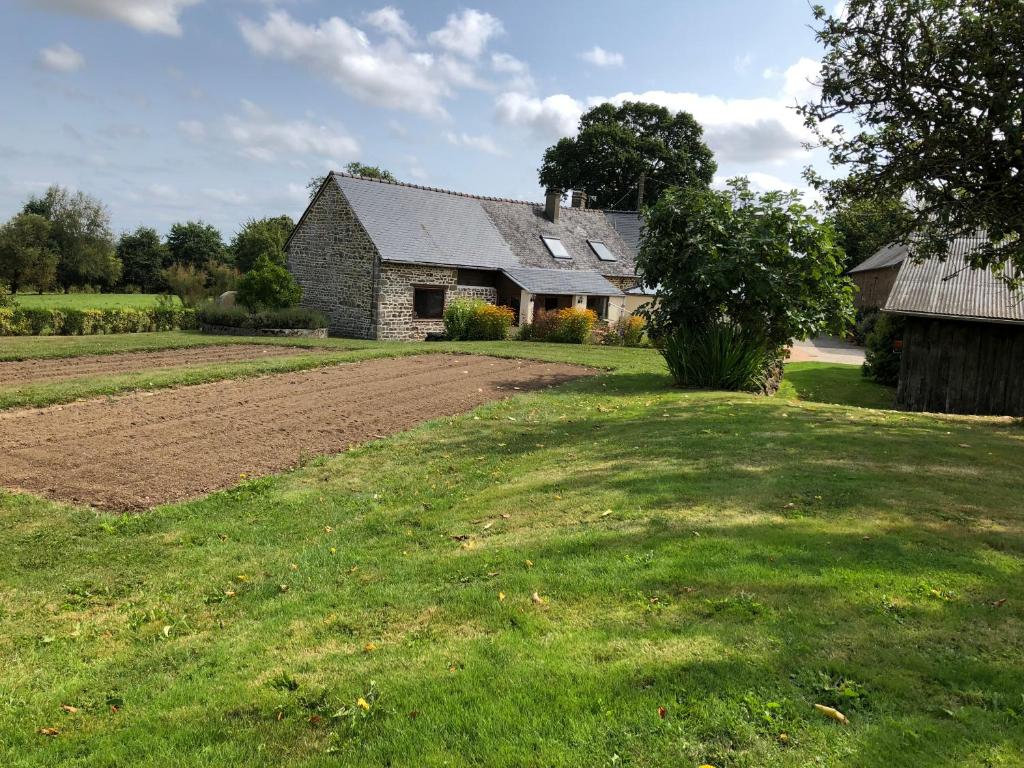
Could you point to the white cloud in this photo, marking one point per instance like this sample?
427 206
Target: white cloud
738 130
801 80
390 21
192 129
228 196
480 143
599 57
741 64
61 58
160 16
163 193
260 136
467 33
767 182
387 75
518 73
549 118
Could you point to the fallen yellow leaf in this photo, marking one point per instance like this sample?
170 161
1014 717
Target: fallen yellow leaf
835 714
363 704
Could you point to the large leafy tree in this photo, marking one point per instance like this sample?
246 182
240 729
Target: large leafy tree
936 90
195 244
143 258
356 169
618 148
259 237
26 255
764 263
80 234
863 227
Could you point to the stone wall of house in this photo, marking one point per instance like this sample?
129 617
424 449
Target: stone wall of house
622 283
336 263
395 307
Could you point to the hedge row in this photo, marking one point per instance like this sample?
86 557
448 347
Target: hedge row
476 320
566 326
38 321
238 317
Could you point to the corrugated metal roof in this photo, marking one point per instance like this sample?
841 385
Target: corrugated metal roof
561 281
890 256
628 224
425 226
952 289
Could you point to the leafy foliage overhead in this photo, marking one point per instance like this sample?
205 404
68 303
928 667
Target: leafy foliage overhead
616 145
764 263
863 227
936 88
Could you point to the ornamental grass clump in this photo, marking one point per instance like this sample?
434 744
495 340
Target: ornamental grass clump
563 326
476 320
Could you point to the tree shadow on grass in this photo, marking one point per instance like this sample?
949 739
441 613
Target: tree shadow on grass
835 383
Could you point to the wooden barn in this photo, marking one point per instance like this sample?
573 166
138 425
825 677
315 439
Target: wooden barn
963 347
876 275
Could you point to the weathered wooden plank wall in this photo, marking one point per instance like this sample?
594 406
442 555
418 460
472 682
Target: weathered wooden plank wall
873 287
953 366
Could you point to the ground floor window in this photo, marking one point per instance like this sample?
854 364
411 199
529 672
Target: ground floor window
428 303
600 306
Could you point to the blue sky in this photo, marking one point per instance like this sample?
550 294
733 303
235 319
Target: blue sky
170 110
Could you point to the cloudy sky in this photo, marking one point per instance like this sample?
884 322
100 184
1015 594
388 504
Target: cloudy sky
223 109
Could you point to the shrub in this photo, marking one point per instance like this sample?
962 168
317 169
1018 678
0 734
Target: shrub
6 299
566 326
238 317
476 320
188 283
22 321
268 286
625 332
884 347
721 356
456 318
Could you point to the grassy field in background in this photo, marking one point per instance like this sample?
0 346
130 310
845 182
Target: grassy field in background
88 300
707 567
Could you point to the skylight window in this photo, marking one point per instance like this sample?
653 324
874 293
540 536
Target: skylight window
602 250
555 247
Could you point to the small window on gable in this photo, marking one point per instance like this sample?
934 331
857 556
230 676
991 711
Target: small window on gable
428 303
555 247
602 250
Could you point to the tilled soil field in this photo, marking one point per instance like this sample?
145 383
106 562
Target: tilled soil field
27 372
143 449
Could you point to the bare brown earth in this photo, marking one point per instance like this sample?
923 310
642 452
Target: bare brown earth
147 448
24 372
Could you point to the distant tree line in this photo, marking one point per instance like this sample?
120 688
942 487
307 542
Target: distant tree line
62 240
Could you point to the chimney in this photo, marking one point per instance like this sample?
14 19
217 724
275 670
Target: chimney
553 204
579 199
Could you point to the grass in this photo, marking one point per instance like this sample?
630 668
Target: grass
834 383
87 300
710 566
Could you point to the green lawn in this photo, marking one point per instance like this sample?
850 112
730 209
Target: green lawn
87 300
709 566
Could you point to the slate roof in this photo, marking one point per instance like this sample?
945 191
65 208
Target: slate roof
561 281
423 225
629 226
890 256
951 289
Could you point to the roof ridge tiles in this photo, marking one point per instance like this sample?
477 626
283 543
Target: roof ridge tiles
456 193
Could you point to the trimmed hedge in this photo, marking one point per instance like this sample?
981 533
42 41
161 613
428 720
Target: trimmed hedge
238 317
39 321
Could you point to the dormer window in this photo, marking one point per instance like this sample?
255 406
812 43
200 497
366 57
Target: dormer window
602 250
555 247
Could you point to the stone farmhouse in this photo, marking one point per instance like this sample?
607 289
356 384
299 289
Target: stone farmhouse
383 259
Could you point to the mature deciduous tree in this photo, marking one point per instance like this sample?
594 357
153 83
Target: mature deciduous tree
260 237
764 262
936 88
195 244
356 169
26 255
143 258
81 236
618 147
863 227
